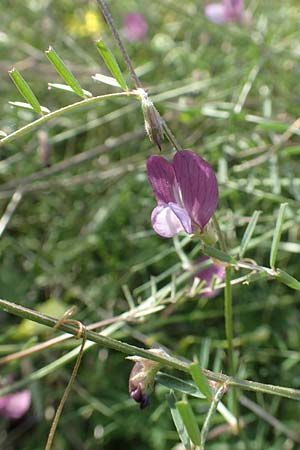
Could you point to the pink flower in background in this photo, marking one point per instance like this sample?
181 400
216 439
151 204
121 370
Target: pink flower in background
207 275
186 192
135 26
227 11
14 406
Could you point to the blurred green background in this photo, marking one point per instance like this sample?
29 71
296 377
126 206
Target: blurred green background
81 234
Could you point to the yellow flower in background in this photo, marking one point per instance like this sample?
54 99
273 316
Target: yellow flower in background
90 24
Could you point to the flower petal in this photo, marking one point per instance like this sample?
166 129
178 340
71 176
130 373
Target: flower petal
198 185
207 274
166 223
215 12
135 26
13 406
162 179
183 217
234 9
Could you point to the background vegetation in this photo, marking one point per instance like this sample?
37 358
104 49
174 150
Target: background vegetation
81 233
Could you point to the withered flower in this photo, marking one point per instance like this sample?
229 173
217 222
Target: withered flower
141 379
153 121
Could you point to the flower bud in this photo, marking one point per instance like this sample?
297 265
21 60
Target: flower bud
141 379
153 122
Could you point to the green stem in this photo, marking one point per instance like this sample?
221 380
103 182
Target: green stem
166 360
212 409
228 318
137 84
73 107
228 315
229 336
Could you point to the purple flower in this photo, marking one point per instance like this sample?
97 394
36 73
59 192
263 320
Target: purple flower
14 406
186 192
207 275
141 378
135 26
227 11
136 385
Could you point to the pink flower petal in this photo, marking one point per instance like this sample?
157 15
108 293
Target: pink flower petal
135 26
183 216
216 13
207 275
161 176
14 406
198 186
234 9
166 223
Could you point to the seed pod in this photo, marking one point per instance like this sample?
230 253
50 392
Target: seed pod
153 122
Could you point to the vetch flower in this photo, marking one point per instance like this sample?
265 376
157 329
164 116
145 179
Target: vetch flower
186 192
227 11
207 274
135 26
14 406
141 379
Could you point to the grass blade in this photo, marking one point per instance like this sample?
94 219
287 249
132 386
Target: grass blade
189 420
287 279
218 254
111 64
181 430
248 233
64 72
212 410
277 234
200 380
25 90
176 384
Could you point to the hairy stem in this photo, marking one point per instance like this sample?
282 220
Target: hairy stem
73 107
166 360
136 82
116 35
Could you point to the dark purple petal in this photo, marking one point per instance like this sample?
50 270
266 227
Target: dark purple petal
216 13
166 223
137 394
207 275
162 179
14 406
234 9
145 401
198 185
235 5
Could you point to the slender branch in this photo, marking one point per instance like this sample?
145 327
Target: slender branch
213 407
137 84
124 317
170 135
73 107
167 360
228 317
65 395
116 35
